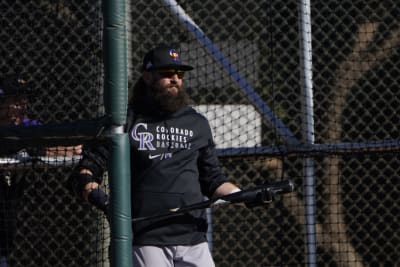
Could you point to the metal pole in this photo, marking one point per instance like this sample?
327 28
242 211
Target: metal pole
308 127
115 100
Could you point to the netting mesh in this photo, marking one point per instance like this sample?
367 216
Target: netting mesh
247 75
56 46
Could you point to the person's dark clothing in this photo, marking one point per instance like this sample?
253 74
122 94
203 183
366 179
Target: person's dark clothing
11 191
173 164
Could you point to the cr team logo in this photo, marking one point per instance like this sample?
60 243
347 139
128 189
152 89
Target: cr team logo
174 55
144 138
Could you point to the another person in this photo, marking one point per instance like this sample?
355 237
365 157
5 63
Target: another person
173 164
14 93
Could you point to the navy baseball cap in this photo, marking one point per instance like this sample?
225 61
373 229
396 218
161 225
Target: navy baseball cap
164 57
13 84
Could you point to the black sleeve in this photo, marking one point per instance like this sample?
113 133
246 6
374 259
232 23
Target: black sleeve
210 172
36 151
95 159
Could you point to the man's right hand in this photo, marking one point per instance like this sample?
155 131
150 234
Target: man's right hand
99 199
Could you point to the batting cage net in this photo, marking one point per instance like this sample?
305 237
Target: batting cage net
292 89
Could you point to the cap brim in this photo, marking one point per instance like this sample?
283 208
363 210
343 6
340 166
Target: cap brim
17 93
174 66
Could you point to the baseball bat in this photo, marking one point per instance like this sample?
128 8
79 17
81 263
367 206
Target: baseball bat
260 193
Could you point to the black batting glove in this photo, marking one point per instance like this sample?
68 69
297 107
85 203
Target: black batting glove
99 199
259 198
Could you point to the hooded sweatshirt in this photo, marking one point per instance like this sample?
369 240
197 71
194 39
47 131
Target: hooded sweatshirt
173 164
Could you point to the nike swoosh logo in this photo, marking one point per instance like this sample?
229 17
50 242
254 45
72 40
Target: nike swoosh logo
154 156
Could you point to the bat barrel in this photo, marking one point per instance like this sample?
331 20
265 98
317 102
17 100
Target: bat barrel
282 187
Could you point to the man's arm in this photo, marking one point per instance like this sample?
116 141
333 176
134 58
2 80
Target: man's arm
91 191
88 175
225 189
63 151
252 197
89 187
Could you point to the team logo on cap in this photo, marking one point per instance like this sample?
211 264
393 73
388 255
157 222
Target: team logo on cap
174 55
149 65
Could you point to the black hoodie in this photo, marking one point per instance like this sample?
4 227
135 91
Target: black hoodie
173 164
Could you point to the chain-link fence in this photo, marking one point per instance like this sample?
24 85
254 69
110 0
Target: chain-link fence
56 47
248 73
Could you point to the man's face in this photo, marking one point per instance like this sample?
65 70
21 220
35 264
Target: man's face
12 110
166 86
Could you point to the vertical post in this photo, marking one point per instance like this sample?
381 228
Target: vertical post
210 230
121 221
115 100
308 126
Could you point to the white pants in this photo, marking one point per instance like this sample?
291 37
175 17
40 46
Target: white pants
172 256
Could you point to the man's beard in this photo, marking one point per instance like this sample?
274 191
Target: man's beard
170 103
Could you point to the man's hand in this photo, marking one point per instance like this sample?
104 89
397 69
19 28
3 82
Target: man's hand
99 199
261 194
